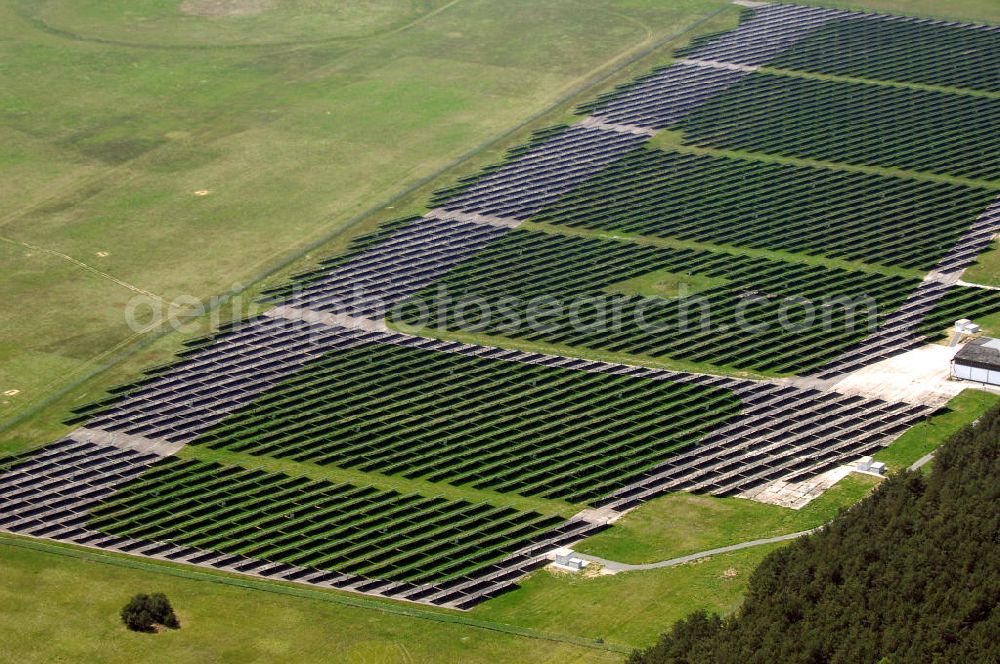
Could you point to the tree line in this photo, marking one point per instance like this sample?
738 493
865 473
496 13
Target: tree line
909 574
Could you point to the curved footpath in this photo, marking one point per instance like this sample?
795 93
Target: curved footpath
615 566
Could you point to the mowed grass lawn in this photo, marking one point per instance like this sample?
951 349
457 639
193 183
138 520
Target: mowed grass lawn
682 523
986 269
179 153
62 609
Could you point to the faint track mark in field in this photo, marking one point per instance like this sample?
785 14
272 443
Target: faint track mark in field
89 268
40 24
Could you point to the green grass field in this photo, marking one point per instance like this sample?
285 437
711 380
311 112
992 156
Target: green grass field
628 608
208 23
65 609
986 269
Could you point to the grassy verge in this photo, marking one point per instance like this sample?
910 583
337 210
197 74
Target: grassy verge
673 140
682 523
927 435
770 254
986 269
956 10
550 617
62 603
990 324
336 474
666 284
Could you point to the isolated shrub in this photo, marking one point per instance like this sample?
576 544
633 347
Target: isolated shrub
136 614
143 612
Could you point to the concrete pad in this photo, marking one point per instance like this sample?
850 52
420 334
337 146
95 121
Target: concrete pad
718 64
125 441
473 218
921 376
796 495
333 320
599 122
600 515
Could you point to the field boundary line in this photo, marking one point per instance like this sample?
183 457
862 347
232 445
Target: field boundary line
332 597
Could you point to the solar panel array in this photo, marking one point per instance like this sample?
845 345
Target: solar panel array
49 493
766 409
662 97
855 216
762 34
276 518
908 51
933 306
853 123
409 259
201 389
552 168
785 33
297 385
190 511
499 426
768 315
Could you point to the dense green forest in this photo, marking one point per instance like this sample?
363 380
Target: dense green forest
910 574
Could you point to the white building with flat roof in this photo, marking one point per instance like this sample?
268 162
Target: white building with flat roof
978 360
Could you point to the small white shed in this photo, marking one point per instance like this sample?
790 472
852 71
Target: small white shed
565 558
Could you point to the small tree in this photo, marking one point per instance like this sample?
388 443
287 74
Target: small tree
143 612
